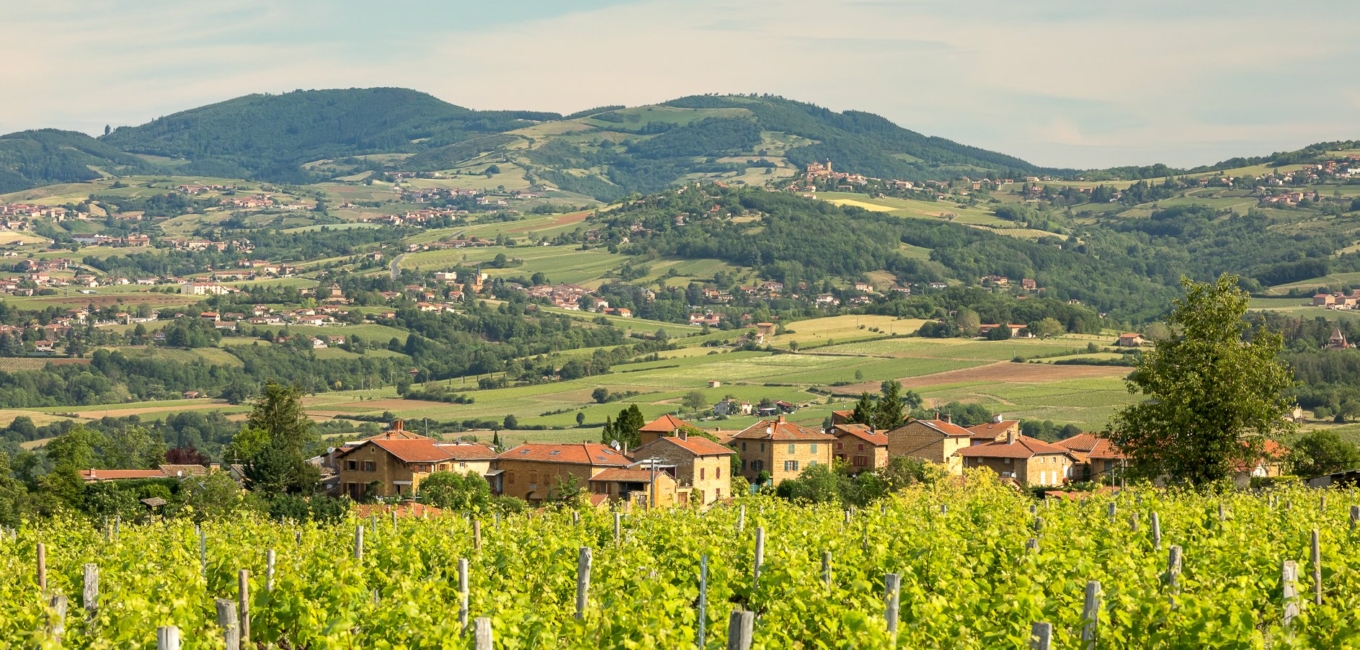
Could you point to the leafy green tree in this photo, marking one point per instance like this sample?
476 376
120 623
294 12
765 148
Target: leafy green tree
694 400
888 414
245 444
580 418
453 491
624 429
819 483
864 410
1322 452
1212 392
968 322
999 333
1047 327
600 395
510 421
280 465
132 448
14 498
279 412
212 497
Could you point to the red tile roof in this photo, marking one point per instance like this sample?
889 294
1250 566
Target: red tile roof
992 430
577 454
1083 442
624 476
696 445
780 429
862 431
421 450
1023 447
188 470
466 451
119 474
947 428
666 424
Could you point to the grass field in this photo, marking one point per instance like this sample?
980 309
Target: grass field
941 370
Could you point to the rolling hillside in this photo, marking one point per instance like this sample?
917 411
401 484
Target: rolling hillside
47 156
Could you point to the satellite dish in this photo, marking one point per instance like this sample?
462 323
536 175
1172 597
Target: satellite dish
769 430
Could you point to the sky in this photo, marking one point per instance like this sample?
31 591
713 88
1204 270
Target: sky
1061 83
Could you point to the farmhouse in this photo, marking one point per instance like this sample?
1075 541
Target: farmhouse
781 448
535 471
666 425
701 467
994 430
860 447
1095 457
394 463
642 487
1029 461
1130 340
937 441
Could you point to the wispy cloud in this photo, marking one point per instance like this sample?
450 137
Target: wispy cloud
1061 82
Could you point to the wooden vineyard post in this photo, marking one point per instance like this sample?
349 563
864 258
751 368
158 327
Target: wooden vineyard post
740 629
203 552
1112 509
1289 574
1316 561
847 517
483 634
269 570
1156 532
167 638
1090 616
760 554
892 584
703 601
1040 636
1032 545
826 569
359 542
42 567
1173 572
59 607
582 582
231 627
741 519
243 588
463 594
89 595
575 517
1355 516
1133 523
476 535
618 528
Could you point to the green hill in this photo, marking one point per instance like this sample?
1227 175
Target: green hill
33 158
271 136
608 153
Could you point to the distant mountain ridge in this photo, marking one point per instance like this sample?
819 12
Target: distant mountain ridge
606 152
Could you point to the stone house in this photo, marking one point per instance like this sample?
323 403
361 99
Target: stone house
936 441
994 430
702 467
388 466
1028 461
781 448
860 447
634 487
535 471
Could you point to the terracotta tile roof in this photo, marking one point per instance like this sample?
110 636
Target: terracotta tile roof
1023 447
1105 450
119 474
587 453
1084 442
862 431
467 451
188 470
779 429
624 476
693 444
665 424
992 430
421 450
947 428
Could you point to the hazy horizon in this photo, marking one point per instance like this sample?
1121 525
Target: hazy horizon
1056 82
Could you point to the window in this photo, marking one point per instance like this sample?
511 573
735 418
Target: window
861 446
743 446
792 449
762 446
533 477
462 465
719 473
743 465
370 466
352 465
702 474
790 465
717 492
510 477
839 446
814 447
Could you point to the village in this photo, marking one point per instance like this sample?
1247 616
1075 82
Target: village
678 464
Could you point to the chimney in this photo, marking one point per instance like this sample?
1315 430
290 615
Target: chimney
1010 436
684 435
945 418
780 420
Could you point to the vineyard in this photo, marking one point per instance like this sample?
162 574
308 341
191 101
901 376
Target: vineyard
978 566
